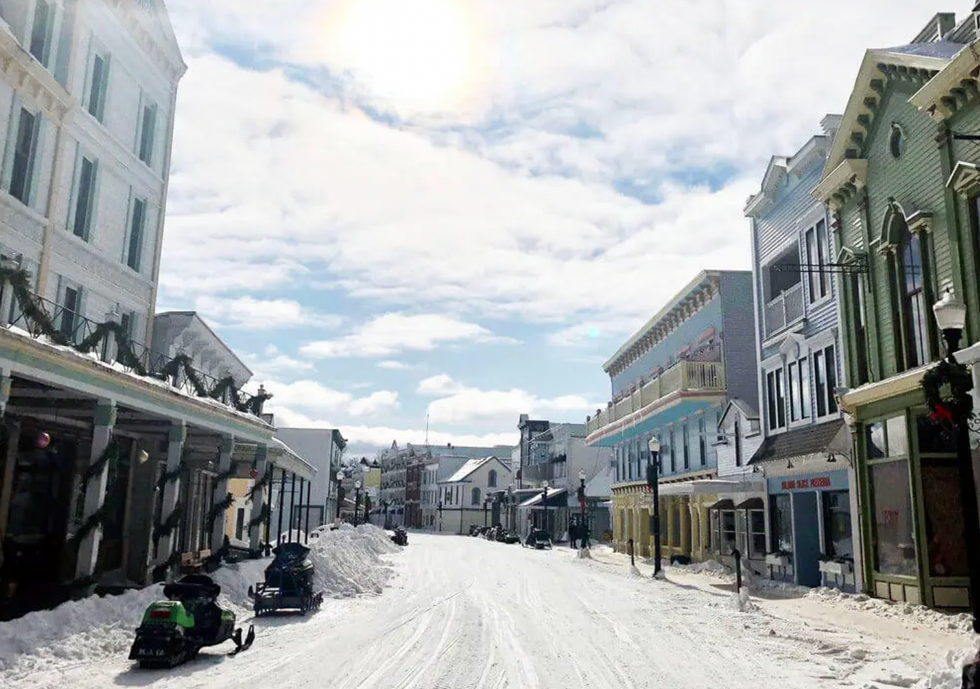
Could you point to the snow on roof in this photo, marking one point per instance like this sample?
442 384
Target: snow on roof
467 469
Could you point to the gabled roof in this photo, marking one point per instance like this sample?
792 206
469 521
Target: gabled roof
800 442
744 408
920 61
472 466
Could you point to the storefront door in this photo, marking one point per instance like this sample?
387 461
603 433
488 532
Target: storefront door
807 536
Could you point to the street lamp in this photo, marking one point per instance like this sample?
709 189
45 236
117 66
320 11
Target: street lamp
510 507
340 491
956 406
357 499
440 515
653 480
581 501
486 504
544 501
384 504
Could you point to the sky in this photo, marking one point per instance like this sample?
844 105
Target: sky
421 218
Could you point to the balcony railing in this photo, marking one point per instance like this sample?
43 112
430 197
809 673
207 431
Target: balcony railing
688 376
784 310
44 318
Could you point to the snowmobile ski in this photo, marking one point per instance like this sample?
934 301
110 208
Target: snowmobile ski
237 638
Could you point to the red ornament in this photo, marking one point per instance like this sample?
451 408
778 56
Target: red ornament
253 473
941 414
43 440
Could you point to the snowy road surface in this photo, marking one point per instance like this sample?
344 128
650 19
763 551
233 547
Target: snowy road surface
467 613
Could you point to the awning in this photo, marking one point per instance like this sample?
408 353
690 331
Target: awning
725 504
810 441
751 504
705 486
556 498
284 458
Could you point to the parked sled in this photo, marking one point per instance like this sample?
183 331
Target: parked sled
289 583
174 630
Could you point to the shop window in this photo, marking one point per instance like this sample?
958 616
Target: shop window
782 523
727 531
893 542
946 543
825 380
757 533
837 524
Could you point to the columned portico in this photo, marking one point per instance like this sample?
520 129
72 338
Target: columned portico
95 489
225 451
262 468
176 437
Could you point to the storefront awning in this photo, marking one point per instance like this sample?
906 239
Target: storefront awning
725 504
708 486
816 440
751 504
556 498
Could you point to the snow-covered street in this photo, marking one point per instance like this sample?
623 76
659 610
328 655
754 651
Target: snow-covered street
466 612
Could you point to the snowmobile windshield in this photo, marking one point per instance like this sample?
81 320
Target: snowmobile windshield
291 551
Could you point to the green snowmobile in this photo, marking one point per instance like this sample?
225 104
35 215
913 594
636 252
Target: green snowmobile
174 630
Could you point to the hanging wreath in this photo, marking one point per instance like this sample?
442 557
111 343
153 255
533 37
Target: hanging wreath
947 388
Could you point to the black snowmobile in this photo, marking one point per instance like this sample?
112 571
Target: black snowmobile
400 537
174 630
289 582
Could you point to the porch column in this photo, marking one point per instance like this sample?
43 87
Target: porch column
171 489
258 498
225 451
671 508
6 303
88 547
697 544
5 382
685 517
705 527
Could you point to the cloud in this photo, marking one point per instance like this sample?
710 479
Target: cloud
394 365
312 397
462 404
391 333
262 314
272 363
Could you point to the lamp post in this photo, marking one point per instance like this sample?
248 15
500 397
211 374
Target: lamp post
510 507
384 504
357 499
584 526
544 501
367 508
340 491
440 515
951 317
653 480
486 504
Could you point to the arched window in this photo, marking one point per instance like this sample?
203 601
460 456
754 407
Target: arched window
913 302
492 478
475 496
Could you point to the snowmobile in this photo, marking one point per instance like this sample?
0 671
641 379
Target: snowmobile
174 630
288 584
400 537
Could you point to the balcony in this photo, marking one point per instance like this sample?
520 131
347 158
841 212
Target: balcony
685 376
784 310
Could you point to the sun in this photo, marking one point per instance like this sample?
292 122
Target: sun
416 55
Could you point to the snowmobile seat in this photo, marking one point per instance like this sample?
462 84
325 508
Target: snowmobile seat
192 586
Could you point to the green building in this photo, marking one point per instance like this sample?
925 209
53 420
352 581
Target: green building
903 190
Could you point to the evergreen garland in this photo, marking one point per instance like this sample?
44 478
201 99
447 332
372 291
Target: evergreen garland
947 389
260 519
225 475
218 508
170 476
260 484
110 453
166 527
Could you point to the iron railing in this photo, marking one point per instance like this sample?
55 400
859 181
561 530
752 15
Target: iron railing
76 328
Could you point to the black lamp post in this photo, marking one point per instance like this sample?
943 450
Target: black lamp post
653 480
951 317
584 525
357 499
510 507
440 515
367 508
384 504
544 501
486 504
340 491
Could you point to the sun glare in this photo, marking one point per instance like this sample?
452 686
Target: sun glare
418 55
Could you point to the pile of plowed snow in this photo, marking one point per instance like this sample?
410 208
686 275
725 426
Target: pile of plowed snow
349 561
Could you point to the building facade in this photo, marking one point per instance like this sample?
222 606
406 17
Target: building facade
810 508
898 182
323 448
673 379
467 495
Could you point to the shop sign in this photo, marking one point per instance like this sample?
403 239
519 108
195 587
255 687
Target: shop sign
835 480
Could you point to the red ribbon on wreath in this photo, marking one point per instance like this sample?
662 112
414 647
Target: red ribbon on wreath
941 414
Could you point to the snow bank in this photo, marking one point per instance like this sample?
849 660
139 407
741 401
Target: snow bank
950 676
349 561
917 615
234 580
96 626
740 602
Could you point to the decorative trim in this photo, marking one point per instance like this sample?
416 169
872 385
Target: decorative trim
965 179
920 222
843 184
33 82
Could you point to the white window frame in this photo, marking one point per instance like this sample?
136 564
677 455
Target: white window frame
781 368
49 52
804 356
813 300
147 102
80 156
32 183
97 49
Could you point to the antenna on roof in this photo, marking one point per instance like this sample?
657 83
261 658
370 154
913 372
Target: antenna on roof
427 432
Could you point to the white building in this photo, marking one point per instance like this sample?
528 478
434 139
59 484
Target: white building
465 494
323 448
86 113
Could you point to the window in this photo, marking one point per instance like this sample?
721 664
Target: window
793 380
84 198
738 443
856 289
702 441
41 31
240 523
25 149
757 533
825 380
837 524
148 124
727 531
673 450
799 390
69 311
136 226
896 142
779 279
891 501
492 478
913 303
817 252
98 84
776 403
687 446
782 523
